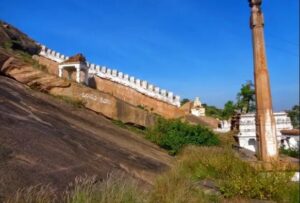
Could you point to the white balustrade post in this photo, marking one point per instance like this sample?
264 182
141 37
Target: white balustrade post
60 71
78 73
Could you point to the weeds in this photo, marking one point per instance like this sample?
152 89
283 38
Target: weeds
115 189
34 194
234 177
235 180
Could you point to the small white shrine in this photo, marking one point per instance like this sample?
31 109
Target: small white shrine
75 63
197 108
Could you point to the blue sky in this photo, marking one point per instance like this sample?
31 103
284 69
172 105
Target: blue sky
191 47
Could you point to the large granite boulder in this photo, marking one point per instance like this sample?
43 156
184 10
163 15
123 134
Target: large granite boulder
11 37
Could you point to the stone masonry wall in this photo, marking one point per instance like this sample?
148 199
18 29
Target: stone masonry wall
141 86
123 92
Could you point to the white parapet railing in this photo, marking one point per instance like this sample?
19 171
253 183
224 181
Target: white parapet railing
141 86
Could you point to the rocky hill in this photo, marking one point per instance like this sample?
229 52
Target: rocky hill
45 140
51 140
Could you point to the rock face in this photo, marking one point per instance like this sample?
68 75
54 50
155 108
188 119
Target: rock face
14 38
95 100
44 140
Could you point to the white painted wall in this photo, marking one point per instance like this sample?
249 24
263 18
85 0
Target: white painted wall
103 72
247 131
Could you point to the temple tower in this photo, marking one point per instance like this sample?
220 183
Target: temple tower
265 122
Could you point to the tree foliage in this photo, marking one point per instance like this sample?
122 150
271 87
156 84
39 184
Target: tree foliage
229 110
183 101
245 103
246 98
294 114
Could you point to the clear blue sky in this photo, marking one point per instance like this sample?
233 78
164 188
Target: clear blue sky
191 47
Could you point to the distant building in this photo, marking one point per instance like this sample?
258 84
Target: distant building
246 126
224 126
194 108
197 108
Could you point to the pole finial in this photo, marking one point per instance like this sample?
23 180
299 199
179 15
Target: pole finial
255 2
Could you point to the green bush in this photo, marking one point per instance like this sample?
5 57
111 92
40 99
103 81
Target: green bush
173 134
290 152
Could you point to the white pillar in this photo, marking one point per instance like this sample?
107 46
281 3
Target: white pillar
78 73
86 77
60 71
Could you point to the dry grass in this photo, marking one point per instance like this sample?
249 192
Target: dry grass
34 194
115 189
235 179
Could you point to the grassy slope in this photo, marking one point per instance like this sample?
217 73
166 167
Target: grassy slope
235 179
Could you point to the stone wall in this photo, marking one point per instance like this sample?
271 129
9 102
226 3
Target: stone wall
92 99
125 87
135 98
141 86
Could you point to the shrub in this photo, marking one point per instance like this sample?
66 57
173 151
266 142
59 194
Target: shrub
290 152
174 134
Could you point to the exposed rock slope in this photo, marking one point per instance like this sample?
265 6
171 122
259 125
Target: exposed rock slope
25 70
44 140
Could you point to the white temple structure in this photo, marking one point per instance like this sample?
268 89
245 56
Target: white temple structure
76 63
197 108
247 131
93 70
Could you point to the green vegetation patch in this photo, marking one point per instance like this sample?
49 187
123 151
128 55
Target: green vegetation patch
174 134
290 152
234 177
294 114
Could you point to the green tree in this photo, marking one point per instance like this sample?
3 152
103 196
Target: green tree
246 98
229 110
213 111
294 114
183 101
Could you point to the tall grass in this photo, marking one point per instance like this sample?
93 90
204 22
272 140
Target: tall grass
235 180
234 177
117 189
86 189
34 194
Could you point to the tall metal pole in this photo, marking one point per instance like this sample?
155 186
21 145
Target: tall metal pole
265 122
